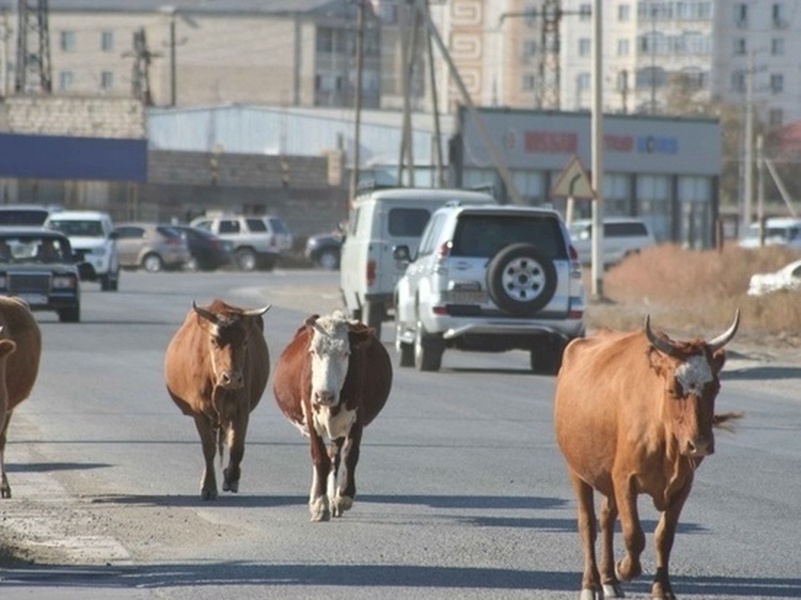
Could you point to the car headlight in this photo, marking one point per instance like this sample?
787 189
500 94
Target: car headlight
64 282
98 251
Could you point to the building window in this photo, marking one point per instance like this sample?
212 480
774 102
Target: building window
529 82
584 47
777 83
776 117
777 13
777 46
738 81
623 47
106 81
739 46
107 41
741 15
68 41
696 78
585 12
65 81
623 12
325 40
529 48
583 82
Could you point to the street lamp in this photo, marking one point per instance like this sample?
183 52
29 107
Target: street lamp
170 10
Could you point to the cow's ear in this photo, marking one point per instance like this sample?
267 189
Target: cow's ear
718 360
7 347
311 320
360 337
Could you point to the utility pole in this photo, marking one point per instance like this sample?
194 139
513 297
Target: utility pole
140 78
354 173
33 62
748 166
597 154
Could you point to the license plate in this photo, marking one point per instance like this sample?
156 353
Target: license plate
468 297
34 299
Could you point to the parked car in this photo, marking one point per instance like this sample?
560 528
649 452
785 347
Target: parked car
491 279
38 265
25 215
92 237
787 278
151 247
259 241
623 236
209 252
779 231
323 249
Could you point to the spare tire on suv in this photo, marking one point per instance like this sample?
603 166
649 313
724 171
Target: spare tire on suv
521 280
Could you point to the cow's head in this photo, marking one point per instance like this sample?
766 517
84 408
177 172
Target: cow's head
690 372
228 332
333 338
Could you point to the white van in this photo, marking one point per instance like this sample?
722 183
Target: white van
623 236
379 220
779 231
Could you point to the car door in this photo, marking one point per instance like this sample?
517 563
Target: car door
129 240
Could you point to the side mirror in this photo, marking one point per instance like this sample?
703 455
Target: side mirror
402 254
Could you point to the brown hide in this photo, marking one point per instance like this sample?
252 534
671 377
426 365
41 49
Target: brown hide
20 351
219 335
633 413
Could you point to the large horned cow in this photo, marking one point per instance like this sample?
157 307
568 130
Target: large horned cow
331 381
216 369
634 413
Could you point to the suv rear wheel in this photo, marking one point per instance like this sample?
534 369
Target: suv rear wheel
373 316
521 280
428 349
246 259
546 358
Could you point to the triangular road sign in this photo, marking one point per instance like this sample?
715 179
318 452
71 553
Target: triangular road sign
573 182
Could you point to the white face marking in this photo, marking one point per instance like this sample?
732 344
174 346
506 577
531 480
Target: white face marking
333 427
330 353
694 374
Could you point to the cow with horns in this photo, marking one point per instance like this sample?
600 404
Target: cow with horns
216 369
20 350
331 381
634 413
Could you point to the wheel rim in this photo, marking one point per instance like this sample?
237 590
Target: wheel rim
328 260
152 263
247 261
523 279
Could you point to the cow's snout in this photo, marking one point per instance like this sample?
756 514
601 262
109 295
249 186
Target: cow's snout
231 380
700 446
325 397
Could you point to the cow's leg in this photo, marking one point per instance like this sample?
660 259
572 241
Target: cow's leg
587 527
208 485
321 469
663 543
626 498
346 492
236 440
5 488
609 581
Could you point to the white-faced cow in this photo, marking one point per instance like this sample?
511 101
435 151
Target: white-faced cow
634 414
20 349
216 369
331 381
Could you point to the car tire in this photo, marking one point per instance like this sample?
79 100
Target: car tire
329 260
192 265
546 358
152 263
428 350
373 316
521 280
70 315
246 259
109 282
404 353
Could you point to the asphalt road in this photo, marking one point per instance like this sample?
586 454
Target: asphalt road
462 492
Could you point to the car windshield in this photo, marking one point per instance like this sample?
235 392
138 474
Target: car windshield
482 235
78 228
33 249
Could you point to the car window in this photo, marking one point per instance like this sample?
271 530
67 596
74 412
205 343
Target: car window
203 225
169 232
129 232
34 249
407 222
257 225
23 216
486 235
83 228
278 225
632 229
229 226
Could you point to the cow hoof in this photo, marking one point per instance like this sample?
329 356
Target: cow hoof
231 486
208 494
319 510
340 504
627 569
5 492
588 594
613 590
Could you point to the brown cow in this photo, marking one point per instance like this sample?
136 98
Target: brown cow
20 350
331 381
216 369
634 414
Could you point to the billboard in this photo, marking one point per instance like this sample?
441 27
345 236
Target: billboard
77 158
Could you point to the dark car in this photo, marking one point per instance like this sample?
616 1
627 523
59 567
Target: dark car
38 266
209 252
323 249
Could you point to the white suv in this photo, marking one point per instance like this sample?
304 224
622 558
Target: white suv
489 278
93 241
623 236
258 241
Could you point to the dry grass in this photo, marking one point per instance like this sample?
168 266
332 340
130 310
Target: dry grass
695 293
